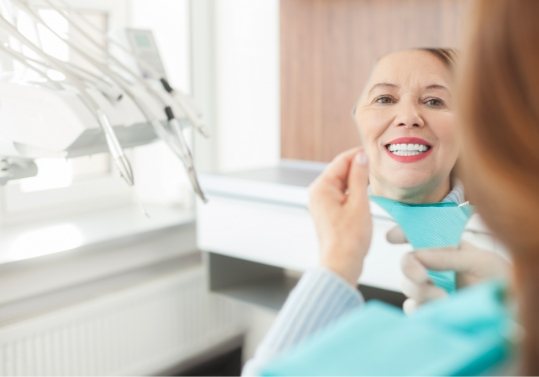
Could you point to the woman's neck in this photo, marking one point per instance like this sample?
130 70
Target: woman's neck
414 195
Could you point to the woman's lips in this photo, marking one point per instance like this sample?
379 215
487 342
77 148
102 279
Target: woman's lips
408 149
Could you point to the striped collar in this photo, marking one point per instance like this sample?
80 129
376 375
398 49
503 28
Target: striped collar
456 195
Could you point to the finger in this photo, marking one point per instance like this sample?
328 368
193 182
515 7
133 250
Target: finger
485 263
358 179
421 293
333 181
396 236
323 189
413 269
417 283
409 306
338 170
444 259
466 246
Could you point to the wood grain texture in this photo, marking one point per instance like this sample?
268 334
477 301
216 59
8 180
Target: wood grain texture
328 48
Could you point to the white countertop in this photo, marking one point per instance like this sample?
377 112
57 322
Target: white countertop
27 241
286 183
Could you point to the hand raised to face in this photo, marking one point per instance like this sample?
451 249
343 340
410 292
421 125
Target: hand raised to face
339 206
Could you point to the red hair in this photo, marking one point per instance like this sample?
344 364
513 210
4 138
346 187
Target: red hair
499 103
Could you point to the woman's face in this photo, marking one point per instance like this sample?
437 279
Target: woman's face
406 124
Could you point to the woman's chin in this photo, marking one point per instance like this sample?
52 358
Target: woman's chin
405 183
407 189
410 183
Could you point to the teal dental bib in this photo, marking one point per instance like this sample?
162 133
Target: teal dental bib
432 225
466 334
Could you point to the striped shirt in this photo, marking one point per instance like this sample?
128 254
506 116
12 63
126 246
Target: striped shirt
319 298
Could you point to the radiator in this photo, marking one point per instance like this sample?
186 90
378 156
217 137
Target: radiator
136 331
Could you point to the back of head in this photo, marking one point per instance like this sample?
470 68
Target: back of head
499 103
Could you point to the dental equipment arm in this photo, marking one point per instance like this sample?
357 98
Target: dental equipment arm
183 101
16 168
113 87
121 161
177 142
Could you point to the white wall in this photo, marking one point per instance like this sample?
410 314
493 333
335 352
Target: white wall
169 20
235 69
247 88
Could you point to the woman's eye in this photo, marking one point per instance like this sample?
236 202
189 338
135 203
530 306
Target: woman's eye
384 99
434 102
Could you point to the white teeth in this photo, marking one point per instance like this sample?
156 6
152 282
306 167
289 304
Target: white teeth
406 153
407 149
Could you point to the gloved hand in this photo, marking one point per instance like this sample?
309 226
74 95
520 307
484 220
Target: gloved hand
471 264
339 206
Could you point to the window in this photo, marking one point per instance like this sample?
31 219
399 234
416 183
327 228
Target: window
90 182
57 173
76 184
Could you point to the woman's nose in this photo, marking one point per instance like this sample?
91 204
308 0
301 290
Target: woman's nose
409 116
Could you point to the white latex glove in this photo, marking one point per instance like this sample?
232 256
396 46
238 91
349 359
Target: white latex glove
339 206
471 264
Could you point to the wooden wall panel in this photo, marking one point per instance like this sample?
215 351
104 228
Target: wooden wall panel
328 48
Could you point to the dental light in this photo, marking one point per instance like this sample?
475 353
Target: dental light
107 108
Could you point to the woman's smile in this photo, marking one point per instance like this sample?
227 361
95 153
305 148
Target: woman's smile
408 149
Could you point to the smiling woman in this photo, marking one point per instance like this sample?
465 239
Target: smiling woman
409 148
406 124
